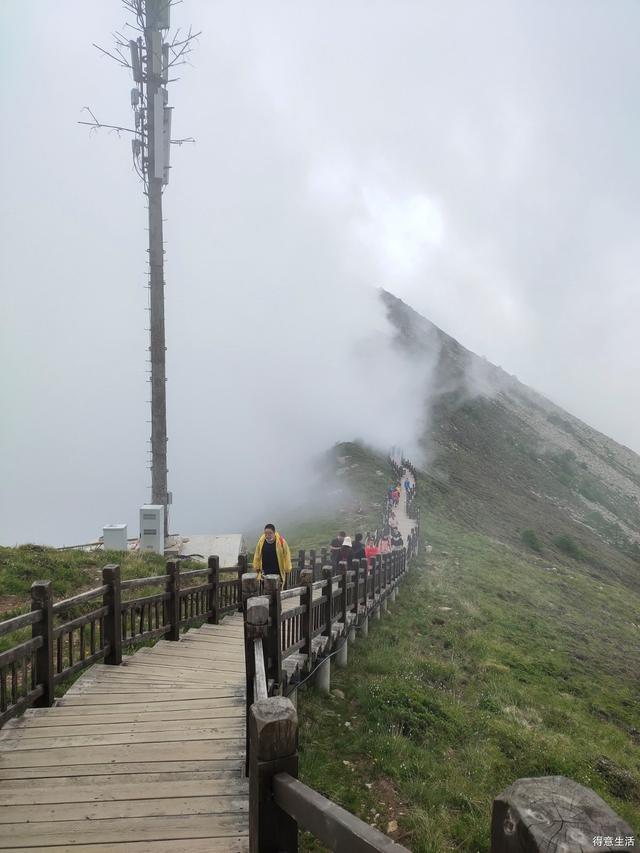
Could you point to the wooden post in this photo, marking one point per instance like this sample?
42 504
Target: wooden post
214 593
554 813
312 563
242 570
273 734
42 599
384 590
356 596
113 619
327 575
173 604
344 571
274 643
306 580
249 585
249 589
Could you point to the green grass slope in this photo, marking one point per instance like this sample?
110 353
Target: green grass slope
493 665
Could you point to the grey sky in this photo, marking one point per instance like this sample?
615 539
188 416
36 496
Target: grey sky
479 160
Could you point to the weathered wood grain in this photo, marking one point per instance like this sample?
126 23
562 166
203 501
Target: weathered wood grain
145 756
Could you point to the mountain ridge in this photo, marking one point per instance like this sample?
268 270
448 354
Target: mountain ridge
504 459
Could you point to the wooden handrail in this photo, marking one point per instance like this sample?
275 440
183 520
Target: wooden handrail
82 598
23 621
332 825
57 651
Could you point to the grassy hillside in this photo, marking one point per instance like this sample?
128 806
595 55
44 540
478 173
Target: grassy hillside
494 664
69 571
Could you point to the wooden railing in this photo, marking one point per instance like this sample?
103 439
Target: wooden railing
279 804
290 636
310 620
97 625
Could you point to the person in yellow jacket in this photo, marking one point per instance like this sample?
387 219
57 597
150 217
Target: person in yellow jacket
272 555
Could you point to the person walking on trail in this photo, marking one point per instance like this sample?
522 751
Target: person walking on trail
334 548
371 550
272 555
346 552
358 548
385 544
396 539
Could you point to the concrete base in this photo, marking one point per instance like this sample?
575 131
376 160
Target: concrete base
394 593
294 698
376 613
342 657
385 605
364 628
352 635
322 679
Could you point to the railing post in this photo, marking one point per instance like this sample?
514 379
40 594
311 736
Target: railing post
327 575
113 620
273 735
312 563
242 570
249 588
300 567
356 596
42 599
306 580
272 585
386 567
214 593
344 570
554 813
173 603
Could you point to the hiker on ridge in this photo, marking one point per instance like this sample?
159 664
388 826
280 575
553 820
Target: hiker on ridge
396 539
346 552
371 550
334 548
385 543
358 548
272 555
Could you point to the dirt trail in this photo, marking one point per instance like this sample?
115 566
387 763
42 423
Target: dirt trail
405 524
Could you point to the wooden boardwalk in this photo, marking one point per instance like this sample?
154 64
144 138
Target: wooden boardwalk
146 756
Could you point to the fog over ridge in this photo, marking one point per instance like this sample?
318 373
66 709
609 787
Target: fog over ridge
479 163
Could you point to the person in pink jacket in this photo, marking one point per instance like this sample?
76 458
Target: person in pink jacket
385 544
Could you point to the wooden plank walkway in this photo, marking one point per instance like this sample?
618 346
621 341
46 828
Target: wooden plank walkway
145 757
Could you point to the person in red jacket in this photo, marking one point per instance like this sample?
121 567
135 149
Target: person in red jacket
370 551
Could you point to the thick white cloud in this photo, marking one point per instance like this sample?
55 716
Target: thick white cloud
479 160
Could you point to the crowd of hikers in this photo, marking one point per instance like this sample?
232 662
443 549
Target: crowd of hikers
345 549
272 555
